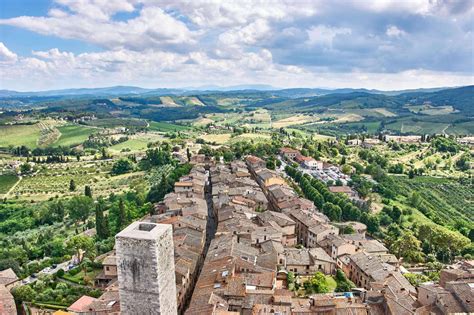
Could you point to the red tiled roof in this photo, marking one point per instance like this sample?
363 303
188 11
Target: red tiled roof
82 304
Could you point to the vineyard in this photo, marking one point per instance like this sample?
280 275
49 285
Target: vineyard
448 201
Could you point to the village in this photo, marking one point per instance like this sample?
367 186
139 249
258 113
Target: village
244 242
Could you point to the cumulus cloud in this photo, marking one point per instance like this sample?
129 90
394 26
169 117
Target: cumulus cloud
280 42
6 55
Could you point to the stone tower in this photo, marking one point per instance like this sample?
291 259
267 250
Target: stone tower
145 266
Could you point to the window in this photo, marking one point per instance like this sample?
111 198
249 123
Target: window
107 268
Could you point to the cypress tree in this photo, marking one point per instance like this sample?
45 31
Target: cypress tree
88 191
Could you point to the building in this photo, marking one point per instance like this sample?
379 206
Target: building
308 162
346 190
146 272
254 163
289 153
7 303
308 261
266 178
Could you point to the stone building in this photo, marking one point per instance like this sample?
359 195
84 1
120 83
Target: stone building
146 272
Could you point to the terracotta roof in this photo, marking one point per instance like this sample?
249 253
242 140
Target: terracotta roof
8 276
82 304
7 303
340 189
289 150
183 184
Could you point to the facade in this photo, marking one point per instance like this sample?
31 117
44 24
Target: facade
146 272
289 153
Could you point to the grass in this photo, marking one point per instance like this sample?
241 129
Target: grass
17 135
217 138
166 127
132 145
73 135
7 182
293 120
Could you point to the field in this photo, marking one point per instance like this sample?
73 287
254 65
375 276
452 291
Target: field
16 135
168 101
117 122
293 120
431 110
54 180
216 138
447 199
165 127
417 127
7 182
256 137
73 135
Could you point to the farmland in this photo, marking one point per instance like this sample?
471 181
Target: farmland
14 135
6 182
73 135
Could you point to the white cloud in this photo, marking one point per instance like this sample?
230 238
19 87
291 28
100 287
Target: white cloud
152 28
6 55
324 35
393 31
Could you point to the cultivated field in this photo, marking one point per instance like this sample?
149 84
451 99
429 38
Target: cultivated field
7 182
74 135
294 120
16 135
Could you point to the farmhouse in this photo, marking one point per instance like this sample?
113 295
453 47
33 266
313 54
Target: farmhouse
289 153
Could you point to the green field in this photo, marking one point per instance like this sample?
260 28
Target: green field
117 122
7 182
16 135
166 127
131 144
448 200
73 135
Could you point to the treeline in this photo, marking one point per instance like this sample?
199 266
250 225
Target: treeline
336 207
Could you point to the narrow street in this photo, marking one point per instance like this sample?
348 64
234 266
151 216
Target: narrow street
211 228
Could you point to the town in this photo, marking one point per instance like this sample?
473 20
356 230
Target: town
236 238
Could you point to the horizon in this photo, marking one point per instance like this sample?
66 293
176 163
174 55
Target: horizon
389 46
234 88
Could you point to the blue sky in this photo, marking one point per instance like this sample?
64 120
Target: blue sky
384 44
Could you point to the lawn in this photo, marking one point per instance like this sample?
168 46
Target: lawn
73 135
166 127
7 182
17 135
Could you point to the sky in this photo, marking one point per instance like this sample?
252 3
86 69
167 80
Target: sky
380 44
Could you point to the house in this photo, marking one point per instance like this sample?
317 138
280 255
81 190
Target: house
254 163
7 303
267 178
279 195
306 220
308 162
284 222
82 306
8 277
289 153
307 261
336 247
109 271
366 269
346 190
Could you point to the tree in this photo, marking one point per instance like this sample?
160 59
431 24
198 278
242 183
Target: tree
72 185
122 216
317 284
100 222
81 246
88 191
24 293
122 166
25 168
158 192
57 209
188 154
79 208
343 284
408 247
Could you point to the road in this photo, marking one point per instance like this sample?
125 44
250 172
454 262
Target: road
48 271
